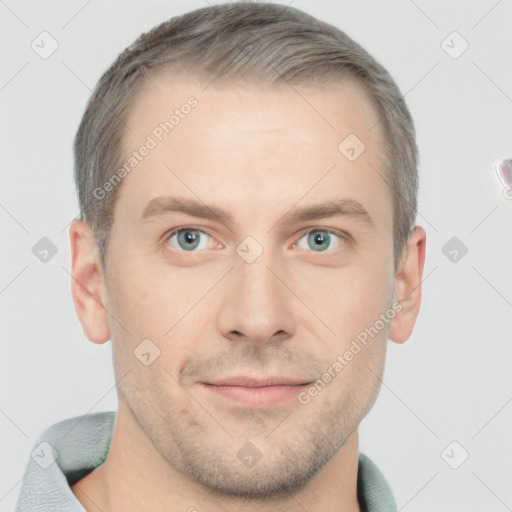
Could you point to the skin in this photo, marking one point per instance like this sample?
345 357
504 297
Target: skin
259 154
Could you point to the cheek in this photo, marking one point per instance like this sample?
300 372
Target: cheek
161 304
147 301
350 299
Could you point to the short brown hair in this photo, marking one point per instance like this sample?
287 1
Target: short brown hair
262 43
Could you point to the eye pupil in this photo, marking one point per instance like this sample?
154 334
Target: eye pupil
188 237
319 240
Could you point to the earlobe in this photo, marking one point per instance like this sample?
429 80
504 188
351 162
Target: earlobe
408 286
87 283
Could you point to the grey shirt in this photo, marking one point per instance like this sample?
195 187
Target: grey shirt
70 449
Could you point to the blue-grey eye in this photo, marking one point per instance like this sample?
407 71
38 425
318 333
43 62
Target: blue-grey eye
320 240
189 239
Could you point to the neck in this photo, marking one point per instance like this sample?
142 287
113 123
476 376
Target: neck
136 477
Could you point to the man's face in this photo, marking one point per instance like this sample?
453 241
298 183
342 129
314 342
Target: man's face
251 308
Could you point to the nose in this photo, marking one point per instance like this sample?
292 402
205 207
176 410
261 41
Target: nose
257 307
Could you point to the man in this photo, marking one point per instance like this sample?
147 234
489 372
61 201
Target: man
247 181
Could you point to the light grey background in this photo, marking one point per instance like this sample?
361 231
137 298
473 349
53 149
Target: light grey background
451 381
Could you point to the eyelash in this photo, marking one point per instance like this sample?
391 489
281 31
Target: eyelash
343 238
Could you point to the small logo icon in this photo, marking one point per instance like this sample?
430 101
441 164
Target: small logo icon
504 172
454 455
146 352
44 45
351 147
454 45
44 455
249 455
44 250
249 249
454 249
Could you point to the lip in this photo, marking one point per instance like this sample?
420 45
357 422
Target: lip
254 382
256 392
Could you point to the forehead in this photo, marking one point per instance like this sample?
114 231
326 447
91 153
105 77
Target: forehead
258 143
328 109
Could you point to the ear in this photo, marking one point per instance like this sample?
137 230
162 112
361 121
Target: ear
408 286
87 283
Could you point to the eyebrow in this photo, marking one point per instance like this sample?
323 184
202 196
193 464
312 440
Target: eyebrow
164 205
339 207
